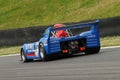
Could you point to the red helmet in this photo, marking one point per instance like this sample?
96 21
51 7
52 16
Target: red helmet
58 25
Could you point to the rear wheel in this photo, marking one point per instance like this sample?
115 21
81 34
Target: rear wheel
43 54
92 50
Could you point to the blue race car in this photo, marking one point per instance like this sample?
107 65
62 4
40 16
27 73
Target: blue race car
86 41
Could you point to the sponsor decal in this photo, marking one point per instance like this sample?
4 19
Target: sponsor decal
90 36
30 51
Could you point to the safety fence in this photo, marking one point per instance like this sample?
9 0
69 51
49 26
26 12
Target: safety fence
108 27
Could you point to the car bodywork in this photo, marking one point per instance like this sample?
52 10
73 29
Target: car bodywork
88 42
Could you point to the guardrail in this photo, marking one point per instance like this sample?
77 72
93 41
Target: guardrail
108 27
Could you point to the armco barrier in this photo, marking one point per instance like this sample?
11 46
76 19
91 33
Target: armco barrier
108 27
19 36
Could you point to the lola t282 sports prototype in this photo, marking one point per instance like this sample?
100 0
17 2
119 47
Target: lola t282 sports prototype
86 41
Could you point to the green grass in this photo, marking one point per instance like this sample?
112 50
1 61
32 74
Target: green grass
9 50
107 41
110 41
25 13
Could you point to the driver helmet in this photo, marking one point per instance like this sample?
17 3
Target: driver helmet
58 25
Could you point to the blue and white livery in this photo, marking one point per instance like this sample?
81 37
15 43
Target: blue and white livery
87 41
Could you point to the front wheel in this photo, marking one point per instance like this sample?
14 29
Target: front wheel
92 50
24 58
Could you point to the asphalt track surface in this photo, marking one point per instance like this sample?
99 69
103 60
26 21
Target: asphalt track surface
102 66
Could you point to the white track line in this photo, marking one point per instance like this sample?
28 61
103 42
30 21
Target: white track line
110 47
9 55
101 48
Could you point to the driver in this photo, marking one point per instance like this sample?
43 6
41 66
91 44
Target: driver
60 33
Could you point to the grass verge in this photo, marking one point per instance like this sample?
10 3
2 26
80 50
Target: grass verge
110 41
25 13
106 41
9 50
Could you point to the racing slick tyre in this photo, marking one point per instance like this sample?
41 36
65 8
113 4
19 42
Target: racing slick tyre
44 56
24 58
92 50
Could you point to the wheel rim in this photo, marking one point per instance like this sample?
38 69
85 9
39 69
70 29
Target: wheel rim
23 57
41 53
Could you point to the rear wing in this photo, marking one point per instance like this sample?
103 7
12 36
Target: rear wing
93 27
81 25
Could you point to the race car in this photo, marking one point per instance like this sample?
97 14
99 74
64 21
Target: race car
87 41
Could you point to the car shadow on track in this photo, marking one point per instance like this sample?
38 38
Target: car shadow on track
63 57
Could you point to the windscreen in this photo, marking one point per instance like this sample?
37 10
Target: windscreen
69 31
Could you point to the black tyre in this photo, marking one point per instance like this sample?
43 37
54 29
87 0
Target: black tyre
24 58
43 54
92 50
